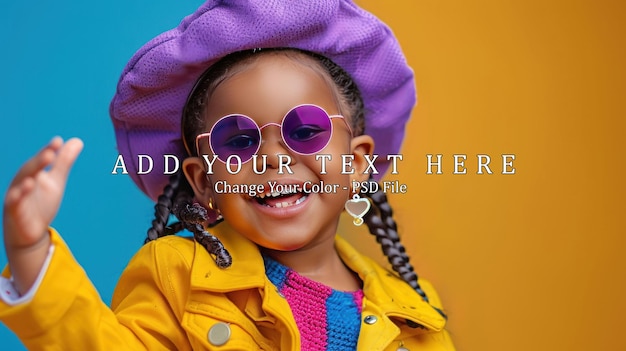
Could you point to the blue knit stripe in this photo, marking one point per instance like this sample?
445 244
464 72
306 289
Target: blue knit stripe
276 272
344 322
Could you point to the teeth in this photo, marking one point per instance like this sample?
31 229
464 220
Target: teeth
278 193
287 204
283 204
286 190
300 200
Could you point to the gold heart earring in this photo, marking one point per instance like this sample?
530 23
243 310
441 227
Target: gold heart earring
357 207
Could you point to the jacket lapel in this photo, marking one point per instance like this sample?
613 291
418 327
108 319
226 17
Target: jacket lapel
395 298
246 272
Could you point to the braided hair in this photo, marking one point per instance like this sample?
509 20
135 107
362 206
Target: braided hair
177 196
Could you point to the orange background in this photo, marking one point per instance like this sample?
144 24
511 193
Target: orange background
534 260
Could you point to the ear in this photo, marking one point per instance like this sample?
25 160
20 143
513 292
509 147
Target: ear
361 145
193 167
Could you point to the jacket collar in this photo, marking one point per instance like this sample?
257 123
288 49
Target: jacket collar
391 294
381 287
246 272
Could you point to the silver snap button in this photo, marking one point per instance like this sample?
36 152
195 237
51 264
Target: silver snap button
402 349
219 334
370 319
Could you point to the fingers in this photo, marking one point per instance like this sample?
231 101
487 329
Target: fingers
19 190
38 162
60 155
65 159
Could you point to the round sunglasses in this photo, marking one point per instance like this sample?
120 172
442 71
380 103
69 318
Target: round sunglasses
305 129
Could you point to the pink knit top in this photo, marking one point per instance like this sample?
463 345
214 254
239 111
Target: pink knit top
327 319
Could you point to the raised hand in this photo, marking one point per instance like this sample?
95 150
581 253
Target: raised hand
31 203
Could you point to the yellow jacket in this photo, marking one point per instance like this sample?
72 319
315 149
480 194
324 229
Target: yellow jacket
173 297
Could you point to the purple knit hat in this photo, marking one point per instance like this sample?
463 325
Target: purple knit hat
147 107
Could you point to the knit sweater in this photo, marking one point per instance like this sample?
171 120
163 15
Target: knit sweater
327 319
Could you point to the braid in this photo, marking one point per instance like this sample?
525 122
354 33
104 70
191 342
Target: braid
162 209
384 228
177 198
192 216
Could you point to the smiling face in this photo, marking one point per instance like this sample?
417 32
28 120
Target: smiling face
265 88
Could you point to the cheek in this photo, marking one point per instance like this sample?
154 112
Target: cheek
337 158
221 179
336 181
224 186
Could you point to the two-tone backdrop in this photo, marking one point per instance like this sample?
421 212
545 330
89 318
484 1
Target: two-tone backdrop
524 261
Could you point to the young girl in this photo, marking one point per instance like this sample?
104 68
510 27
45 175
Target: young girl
284 94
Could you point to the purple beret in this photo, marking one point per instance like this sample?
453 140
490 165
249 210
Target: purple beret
147 107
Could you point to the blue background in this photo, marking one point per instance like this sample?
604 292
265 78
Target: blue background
60 64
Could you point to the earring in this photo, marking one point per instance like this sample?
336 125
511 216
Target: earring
357 208
216 214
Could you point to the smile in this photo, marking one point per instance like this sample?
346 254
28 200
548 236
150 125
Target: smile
281 195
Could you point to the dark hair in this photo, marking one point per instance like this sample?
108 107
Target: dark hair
178 195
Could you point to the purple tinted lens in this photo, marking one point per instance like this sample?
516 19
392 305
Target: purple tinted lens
307 129
235 135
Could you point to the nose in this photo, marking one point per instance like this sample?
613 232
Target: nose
273 145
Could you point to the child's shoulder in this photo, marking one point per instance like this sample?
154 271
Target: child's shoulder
172 242
391 294
161 265
170 250
383 277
